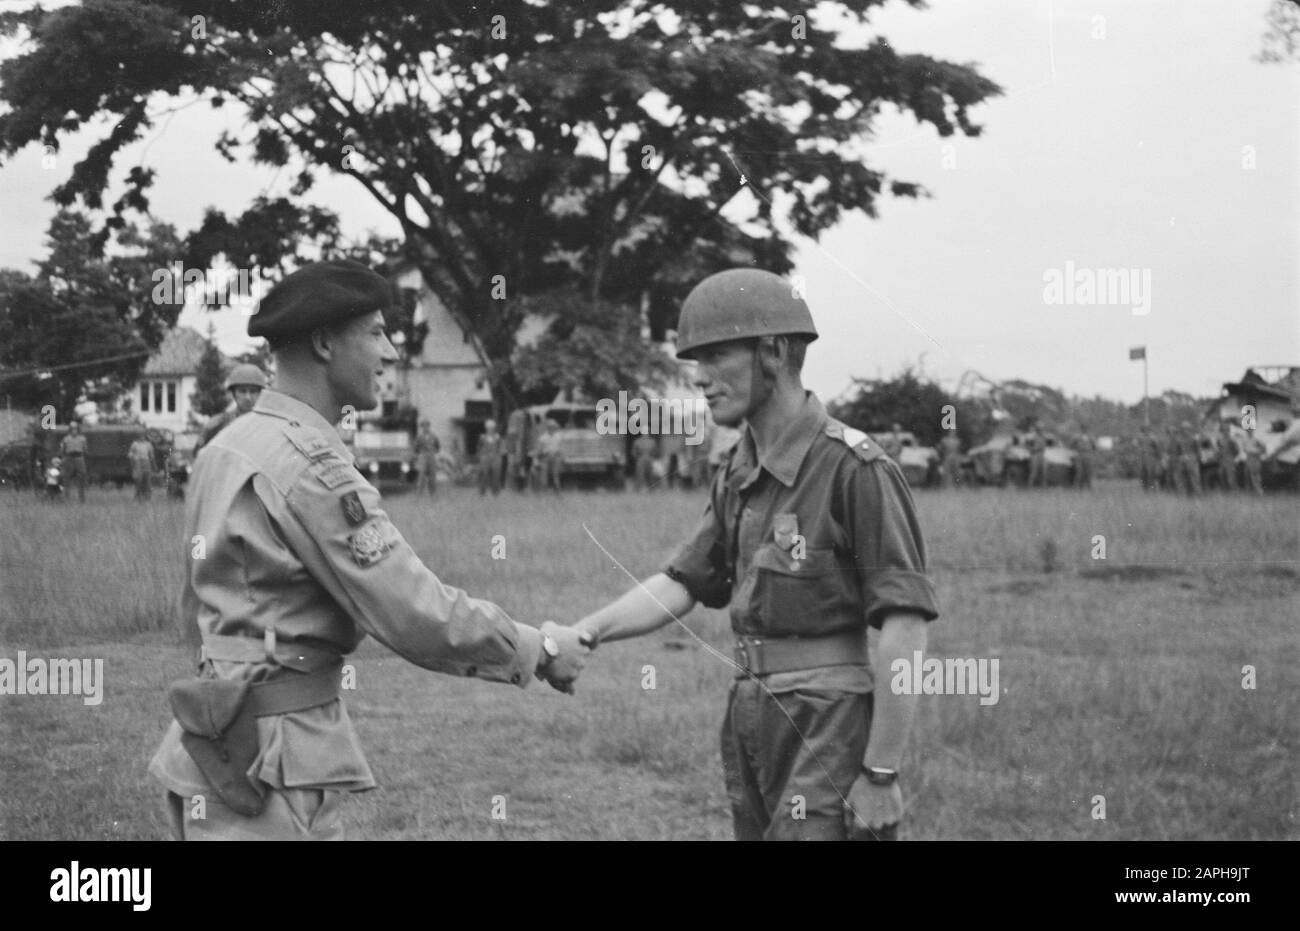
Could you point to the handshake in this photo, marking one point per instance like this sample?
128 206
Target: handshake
564 654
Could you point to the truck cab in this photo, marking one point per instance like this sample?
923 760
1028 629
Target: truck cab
586 454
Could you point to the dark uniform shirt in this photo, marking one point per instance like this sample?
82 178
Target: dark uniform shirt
817 536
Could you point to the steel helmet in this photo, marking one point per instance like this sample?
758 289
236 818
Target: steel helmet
741 303
245 375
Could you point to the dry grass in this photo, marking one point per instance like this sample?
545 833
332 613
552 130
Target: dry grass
1122 677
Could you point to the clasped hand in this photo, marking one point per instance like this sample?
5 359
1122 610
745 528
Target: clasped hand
562 670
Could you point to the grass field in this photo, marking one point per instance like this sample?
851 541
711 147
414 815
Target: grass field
1121 677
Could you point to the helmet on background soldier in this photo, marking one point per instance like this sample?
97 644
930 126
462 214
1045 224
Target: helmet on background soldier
245 375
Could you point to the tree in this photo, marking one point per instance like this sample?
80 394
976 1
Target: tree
1282 39
524 148
914 403
85 323
583 352
210 396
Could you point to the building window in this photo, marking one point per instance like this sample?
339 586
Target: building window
171 397
157 397
144 396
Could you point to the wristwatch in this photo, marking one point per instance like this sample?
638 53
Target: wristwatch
550 650
879 776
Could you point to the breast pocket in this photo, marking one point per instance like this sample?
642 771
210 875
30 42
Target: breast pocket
797 596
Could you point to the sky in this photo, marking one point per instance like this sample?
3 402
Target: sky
1136 140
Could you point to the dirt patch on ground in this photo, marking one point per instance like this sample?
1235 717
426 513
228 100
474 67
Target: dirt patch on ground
1020 587
1130 573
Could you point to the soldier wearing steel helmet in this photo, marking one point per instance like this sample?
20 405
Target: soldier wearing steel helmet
245 382
811 537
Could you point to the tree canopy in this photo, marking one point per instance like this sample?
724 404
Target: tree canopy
84 317
523 148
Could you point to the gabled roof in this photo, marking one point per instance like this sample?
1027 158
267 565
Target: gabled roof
179 353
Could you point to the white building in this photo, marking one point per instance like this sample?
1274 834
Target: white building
161 397
447 382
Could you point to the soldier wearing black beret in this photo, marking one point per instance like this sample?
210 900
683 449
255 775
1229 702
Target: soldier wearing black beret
299 564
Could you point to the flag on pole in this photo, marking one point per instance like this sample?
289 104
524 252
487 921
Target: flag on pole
1139 352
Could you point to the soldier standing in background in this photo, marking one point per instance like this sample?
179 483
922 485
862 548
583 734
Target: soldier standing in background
1085 447
1150 453
1254 451
489 459
142 466
892 443
427 448
1037 444
643 454
1226 447
245 382
73 451
550 459
950 449
1189 461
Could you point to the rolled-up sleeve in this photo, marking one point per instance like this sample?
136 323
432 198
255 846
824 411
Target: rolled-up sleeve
355 552
887 544
700 564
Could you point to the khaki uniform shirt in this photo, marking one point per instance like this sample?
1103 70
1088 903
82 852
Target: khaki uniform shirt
296 541
73 445
817 536
215 426
548 445
141 454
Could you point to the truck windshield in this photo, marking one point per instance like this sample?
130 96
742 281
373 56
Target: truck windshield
573 419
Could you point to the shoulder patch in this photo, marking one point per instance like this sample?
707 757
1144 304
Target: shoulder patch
368 545
308 440
354 512
862 445
333 472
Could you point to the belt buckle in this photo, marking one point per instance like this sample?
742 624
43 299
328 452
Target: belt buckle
749 654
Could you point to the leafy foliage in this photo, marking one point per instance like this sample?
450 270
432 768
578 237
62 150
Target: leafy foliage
210 395
576 148
83 317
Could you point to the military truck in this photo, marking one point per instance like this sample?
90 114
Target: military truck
1004 460
587 454
107 448
385 457
920 464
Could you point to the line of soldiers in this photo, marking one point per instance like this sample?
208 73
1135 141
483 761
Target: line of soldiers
496 464
1173 461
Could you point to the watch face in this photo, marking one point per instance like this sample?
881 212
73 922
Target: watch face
550 646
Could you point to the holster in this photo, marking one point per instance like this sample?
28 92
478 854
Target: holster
219 732
218 719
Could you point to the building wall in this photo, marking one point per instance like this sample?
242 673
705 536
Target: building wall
175 420
439 394
445 375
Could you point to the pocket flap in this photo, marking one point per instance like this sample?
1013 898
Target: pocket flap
811 563
206 707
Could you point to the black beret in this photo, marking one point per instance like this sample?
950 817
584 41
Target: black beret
319 295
